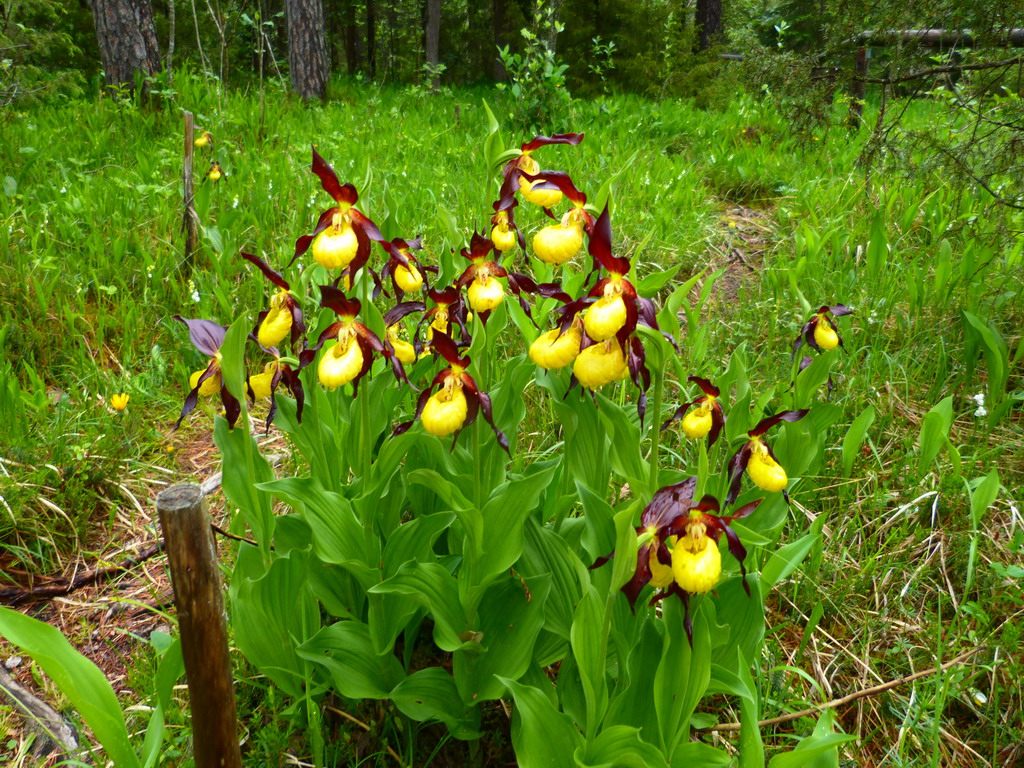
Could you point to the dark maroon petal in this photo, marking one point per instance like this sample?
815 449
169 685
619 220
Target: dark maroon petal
271 274
642 575
329 180
302 244
479 247
335 300
600 245
361 221
668 503
558 180
327 333
839 310
745 511
705 386
400 311
739 552
717 422
485 407
559 138
191 400
765 424
737 464
366 347
446 347
232 408
677 415
206 335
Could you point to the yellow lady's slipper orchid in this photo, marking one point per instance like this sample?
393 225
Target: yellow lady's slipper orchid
764 471
557 243
553 349
278 322
445 411
544 197
408 278
825 335
820 332
210 386
696 561
606 316
485 293
205 139
600 364
503 234
336 246
340 363
702 417
661 575
404 351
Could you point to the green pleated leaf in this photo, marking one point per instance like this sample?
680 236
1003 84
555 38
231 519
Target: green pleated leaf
430 694
786 560
436 590
347 653
855 436
585 637
620 747
542 736
819 750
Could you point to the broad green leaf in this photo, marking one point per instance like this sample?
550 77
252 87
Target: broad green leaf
743 614
934 432
511 616
736 679
694 754
79 679
655 281
786 560
545 552
854 438
437 591
624 432
590 648
243 468
232 352
631 702
819 750
169 670
997 356
338 537
624 561
542 736
430 694
683 673
599 522
504 515
984 495
358 671
271 616
620 747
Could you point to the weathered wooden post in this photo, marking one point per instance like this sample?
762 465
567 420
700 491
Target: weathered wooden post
190 220
204 642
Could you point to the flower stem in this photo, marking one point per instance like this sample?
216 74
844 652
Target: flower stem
659 397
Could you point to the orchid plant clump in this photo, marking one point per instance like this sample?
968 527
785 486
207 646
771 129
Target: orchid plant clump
430 559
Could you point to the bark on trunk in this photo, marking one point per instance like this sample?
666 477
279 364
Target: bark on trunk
433 39
708 21
307 48
371 38
127 40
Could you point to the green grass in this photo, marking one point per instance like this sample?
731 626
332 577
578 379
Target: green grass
93 273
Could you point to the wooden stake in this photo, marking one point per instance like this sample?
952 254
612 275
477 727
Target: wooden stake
204 644
190 219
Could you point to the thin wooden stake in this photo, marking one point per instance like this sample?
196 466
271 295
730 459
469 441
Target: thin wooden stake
204 643
857 88
190 219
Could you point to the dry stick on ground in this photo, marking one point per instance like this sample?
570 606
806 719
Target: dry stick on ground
872 691
12 596
365 726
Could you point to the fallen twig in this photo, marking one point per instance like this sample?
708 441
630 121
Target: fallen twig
864 692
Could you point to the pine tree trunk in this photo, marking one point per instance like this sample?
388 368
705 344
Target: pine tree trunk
307 48
708 21
433 39
499 39
127 40
371 38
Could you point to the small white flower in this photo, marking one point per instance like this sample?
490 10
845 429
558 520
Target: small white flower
234 203
63 190
979 399
980 412
195 296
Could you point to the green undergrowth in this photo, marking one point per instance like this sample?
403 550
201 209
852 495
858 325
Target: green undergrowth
913 566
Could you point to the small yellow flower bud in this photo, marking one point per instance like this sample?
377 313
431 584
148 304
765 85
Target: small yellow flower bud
119 401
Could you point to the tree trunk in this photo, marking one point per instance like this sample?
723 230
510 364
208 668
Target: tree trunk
307 48
433 38
708 21
127 40
371 38
498 35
